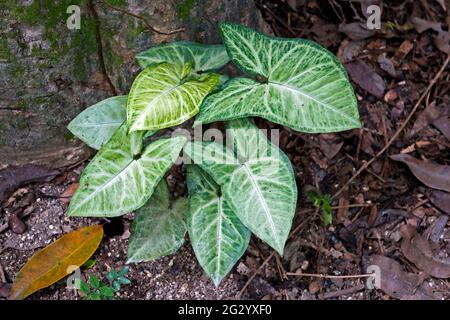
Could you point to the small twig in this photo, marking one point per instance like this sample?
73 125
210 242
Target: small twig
266 261
329 276
2 274
343 292
238 296
399 130
147 24
98 39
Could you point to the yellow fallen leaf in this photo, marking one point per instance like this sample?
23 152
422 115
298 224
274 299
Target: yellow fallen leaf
52 263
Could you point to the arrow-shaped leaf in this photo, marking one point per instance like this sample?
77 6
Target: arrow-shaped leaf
158 229
56 261
96 124
163 96
256 177
217 235
202 57
118 181
302 86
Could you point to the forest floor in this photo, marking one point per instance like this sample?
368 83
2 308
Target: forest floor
393 214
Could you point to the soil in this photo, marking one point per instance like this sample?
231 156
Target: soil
384 214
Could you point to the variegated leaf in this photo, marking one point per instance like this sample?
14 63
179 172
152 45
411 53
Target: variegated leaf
202 57
164 95
256 178
217 235
116 181
158 229
96 124
302 85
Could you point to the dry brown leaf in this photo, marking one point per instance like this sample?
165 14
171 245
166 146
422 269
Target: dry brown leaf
68 193
434 175
52 263
398 283
364 76
13 177
418 250
441 200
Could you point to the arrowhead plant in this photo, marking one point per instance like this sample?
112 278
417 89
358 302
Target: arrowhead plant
235 189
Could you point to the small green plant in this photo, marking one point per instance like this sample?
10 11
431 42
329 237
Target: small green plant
246 186
322 202
94 289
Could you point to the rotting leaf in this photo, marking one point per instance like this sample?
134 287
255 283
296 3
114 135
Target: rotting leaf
364 76
441 200
68 193
418 250
13 177
434 175
441 40
399 284
52 263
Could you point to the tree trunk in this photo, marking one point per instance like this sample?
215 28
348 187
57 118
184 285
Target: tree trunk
49 73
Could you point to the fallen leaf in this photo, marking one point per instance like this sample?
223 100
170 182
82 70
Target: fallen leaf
405 48
5 289
387 65
329 145
16 225
431 113
356 31
398 283
68 193
443 125
441 40
434 175
52 263
364 76
441 200
13 177
418 250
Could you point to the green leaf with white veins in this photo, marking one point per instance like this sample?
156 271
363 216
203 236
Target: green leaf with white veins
217 235
303 86
164 95
96 124
158 229
202 57
256 177
116 181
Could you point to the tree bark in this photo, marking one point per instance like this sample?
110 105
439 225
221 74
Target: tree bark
49 73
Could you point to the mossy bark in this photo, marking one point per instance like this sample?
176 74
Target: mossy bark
49 73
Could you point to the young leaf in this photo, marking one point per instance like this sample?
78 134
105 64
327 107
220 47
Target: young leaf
94 281
107 291
257 180
96 124
84 287
304 86
116 182
50 264
217 235
163 96
158 229
202 57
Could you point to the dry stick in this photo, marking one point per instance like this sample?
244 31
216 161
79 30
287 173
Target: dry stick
266 261
399 130
98 39
343 292
147 24
329 276
2 274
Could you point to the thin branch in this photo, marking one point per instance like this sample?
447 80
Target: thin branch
399 130
330 276
98 39
146 23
